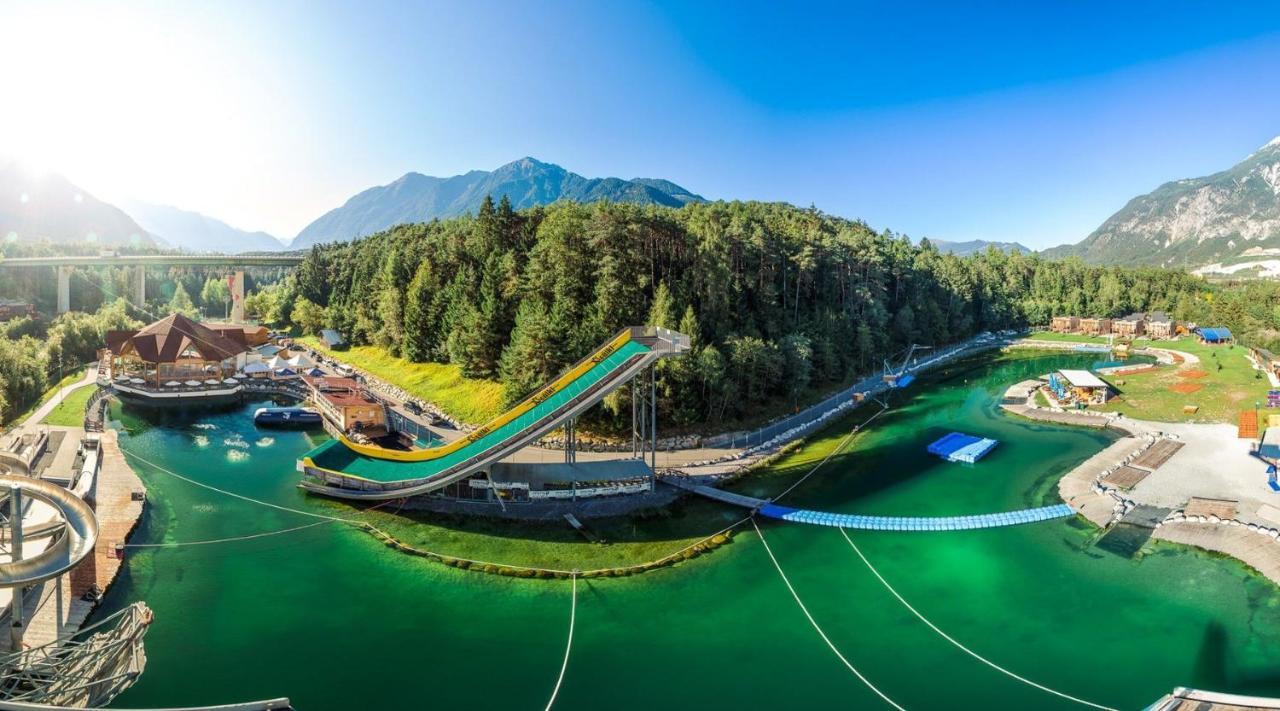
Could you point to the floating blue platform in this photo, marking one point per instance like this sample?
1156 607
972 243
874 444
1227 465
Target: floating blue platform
916 523
960 447
903 381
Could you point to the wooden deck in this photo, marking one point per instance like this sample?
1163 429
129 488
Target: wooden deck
1157 454
1222 508
1125 477
1076 488
1183 699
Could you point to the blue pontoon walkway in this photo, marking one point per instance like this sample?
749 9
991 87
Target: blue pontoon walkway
874 523
917 523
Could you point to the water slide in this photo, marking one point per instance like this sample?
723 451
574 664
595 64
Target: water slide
345 469
79 529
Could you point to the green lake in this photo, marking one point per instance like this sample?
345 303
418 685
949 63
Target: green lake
333 619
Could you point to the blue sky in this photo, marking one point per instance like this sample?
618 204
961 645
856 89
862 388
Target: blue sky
952 120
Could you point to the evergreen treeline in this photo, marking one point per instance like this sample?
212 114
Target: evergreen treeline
33 353
779 300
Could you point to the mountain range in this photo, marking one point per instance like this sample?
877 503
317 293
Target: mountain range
974 246
526 183
1225 221
195 232
38 206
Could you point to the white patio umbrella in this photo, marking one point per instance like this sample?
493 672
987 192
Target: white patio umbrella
172 384
192 383
239 376
137 381
213 381
230 381
122 377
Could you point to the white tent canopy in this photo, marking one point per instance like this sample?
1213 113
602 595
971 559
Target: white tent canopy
1082 379
297 362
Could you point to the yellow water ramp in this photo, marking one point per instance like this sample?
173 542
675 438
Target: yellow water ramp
423 455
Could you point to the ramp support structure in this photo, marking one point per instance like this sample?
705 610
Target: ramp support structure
571 441
644 416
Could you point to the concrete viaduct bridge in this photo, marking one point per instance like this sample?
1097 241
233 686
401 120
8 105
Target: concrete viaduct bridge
66 265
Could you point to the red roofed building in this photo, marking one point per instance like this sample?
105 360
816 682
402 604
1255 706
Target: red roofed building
345 403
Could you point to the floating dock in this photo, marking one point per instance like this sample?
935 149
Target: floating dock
917 523
960 447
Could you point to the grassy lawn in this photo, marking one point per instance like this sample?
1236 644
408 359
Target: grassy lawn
1229 384
628 541
70 412
48 394
466 399
1079 338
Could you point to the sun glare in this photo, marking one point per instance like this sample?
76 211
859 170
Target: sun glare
126 99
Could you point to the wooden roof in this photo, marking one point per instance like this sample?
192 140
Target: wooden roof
166 340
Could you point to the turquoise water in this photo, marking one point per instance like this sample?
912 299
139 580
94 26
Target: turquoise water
336 457
334 620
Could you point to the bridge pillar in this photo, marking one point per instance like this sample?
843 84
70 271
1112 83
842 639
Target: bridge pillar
140 275
237 297
64 289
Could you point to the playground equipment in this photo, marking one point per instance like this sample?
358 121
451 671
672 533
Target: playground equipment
345 469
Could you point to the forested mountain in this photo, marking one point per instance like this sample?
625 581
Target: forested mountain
37 207
525 183
1217 218
780 301
195 232
973 246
